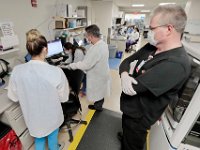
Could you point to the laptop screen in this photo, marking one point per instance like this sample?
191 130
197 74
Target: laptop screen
54 47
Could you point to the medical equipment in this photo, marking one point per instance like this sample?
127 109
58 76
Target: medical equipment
8 39
179 125
3 70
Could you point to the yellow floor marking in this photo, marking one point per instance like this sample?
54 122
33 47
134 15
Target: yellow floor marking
147 146
81 131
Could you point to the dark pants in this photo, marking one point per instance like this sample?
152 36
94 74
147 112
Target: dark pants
134 133
84 84
129 43
99 104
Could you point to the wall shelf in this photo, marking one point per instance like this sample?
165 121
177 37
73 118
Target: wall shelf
9 51
78 27
75 17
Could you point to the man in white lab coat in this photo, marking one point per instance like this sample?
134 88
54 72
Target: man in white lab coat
96 66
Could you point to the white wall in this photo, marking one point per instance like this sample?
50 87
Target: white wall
102 15
192 10
115 11
25 17
147 20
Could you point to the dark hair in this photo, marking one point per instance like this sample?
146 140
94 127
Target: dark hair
69 45
137 29
124 23
35 45
93 30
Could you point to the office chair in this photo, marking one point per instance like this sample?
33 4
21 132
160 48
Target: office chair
73 105
133 46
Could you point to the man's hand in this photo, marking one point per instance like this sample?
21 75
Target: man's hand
65 67
73 66
63 63
127 82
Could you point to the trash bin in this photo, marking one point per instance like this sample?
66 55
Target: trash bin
112 51
119 54
4 129
8 138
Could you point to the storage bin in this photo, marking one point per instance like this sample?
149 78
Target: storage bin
112 51
119 54
4 129
8 138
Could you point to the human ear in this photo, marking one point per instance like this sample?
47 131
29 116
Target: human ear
45 50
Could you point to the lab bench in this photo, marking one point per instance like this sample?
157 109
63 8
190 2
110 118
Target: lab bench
11 114
119 42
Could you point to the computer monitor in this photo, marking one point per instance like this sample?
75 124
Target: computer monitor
118 20
54 47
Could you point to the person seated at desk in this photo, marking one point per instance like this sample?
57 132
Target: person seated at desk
132 37
75 53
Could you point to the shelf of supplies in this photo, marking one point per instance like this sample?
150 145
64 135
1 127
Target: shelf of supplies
75 17
9 51
57 17
78 27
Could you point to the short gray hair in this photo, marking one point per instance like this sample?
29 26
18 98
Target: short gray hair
171 14
93 30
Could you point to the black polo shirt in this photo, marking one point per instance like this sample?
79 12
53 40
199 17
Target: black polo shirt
159 80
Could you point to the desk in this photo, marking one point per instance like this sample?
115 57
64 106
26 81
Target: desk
10 113
5 102
119 42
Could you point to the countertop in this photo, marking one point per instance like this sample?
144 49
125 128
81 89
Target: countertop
5 102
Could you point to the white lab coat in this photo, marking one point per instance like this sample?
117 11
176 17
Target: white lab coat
78 56
133 36
96 66
40 88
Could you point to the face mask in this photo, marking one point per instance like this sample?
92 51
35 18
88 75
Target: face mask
151 38
88 41
67 52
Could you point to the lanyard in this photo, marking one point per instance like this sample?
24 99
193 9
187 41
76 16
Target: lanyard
143 62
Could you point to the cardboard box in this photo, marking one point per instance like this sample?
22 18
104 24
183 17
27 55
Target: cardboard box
60 23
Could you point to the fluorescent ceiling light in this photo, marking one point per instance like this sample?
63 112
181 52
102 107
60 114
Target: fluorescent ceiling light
166 3
145 11
138 5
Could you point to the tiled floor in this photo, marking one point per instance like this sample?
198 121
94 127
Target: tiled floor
112 102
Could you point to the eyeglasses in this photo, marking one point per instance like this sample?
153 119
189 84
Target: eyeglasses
153 28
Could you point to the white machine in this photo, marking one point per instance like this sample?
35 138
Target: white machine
8 39
179 127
